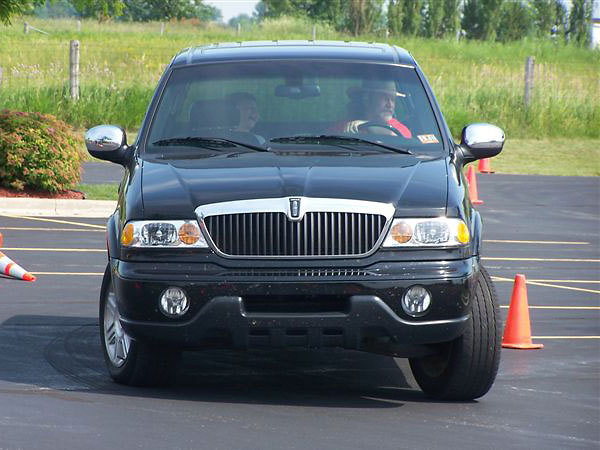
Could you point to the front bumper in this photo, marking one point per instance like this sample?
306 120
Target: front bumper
353 309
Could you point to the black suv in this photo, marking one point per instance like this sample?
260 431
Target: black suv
298 194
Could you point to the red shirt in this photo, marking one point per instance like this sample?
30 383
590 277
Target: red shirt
403 129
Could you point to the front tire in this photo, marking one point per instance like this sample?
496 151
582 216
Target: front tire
128 361
465 369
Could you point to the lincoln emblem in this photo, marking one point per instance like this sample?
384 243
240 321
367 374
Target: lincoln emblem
294 208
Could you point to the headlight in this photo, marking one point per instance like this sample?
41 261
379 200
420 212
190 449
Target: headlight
163 233
438 232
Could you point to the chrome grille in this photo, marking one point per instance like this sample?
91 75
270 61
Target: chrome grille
316 234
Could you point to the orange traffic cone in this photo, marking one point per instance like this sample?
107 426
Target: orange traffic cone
517 331
472 181
485 166
10 268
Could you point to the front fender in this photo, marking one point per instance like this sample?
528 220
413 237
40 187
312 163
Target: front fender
476 230
112 236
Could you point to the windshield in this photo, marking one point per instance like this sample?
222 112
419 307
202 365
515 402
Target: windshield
294 104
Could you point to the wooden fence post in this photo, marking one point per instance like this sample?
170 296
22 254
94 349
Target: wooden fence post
162 28
74 69
314 33
529 78
238 29
78 25
0 76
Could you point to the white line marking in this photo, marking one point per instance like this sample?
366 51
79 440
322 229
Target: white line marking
82 224
69 273
16 249
570 288
500 241
592 308
50 229
489 258
565 337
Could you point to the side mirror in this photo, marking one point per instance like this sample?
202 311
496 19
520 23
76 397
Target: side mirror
107 142
481 140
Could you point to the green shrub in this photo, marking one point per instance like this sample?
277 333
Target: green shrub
38 151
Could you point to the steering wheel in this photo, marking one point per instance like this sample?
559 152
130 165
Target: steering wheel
380 124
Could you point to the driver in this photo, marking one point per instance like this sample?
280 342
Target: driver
377 103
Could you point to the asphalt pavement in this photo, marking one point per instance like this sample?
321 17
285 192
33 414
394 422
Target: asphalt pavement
55 391
100 172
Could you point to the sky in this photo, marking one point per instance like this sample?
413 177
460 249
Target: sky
231 8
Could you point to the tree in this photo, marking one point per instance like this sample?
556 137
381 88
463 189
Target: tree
207 13
411 21
434 16
579 20
516 21
363 15
481 18
100 9
54 9
395 15
330 11
451 17
10 8
243 20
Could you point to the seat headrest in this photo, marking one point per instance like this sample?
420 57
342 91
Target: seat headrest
214 114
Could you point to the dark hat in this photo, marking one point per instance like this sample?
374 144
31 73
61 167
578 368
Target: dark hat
381 86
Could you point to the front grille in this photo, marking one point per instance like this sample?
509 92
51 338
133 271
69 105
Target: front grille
317 234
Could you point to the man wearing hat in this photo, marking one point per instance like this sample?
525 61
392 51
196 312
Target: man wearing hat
375 101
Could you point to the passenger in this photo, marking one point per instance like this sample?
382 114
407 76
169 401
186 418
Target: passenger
376 101
248 108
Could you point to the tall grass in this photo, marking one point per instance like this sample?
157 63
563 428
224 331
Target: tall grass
121 64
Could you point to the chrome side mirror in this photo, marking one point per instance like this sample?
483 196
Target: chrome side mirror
107 142
105 138
481 140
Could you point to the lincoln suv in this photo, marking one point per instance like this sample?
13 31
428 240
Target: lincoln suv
298 195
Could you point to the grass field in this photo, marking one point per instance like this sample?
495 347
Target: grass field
474 81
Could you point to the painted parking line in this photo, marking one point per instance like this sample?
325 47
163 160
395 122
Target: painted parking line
565 337
85 274
501 241
19 249
39 219
51 229
575 308
557 286
490 258
543 280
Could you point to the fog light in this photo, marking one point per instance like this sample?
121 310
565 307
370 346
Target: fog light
173 302
416 301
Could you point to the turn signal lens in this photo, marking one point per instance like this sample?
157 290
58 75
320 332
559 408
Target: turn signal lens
401 232
189 233
127 235
462 233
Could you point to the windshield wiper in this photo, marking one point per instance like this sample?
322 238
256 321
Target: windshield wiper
330 139
207 142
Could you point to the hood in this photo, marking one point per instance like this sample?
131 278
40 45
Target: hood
175 188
